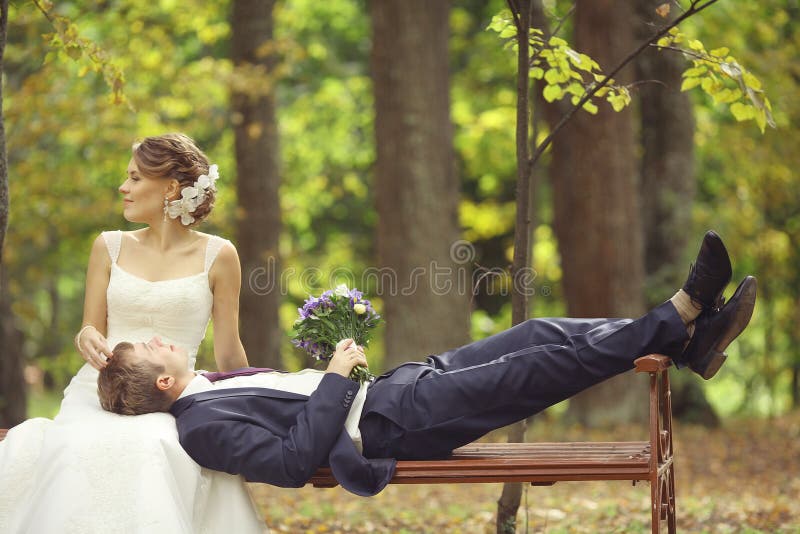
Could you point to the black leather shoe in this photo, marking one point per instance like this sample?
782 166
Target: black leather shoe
714 330
710 274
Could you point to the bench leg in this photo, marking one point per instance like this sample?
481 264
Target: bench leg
662 470
670 500
669 474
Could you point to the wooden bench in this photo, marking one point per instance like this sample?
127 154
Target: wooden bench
544 464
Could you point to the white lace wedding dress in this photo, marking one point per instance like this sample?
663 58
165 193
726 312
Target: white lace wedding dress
91 471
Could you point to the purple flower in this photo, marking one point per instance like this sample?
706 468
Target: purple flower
356 294
311 304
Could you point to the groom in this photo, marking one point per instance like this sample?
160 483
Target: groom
279 428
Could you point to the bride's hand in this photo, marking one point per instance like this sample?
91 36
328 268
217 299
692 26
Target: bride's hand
93 347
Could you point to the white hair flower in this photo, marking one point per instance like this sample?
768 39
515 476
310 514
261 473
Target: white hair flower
208 181
192 196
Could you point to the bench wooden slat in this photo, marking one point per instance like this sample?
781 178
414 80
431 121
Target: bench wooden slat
524 462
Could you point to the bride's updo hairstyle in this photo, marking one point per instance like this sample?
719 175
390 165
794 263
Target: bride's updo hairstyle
175 155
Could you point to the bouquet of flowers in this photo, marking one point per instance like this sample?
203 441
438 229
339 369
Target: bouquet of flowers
337 314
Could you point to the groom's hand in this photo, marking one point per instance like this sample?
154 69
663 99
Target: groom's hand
346 356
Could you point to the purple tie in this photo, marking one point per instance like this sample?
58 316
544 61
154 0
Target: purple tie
244 371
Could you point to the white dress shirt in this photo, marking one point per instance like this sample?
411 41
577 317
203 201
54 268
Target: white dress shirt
304 382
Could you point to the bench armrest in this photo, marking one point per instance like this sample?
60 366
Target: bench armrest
652 363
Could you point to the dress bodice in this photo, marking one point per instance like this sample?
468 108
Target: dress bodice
178 310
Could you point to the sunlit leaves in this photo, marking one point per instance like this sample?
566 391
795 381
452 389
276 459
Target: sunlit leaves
485 220
68 144
722 77
564 71
68 40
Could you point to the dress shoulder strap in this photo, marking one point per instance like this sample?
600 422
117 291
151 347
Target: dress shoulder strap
214 245
113 242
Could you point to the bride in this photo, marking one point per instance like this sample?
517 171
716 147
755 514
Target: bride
91 471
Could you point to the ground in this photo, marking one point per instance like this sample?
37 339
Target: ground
744 477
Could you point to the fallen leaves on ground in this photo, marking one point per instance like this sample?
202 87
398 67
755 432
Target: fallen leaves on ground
744 477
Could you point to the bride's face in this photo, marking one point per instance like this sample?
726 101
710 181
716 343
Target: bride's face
142 197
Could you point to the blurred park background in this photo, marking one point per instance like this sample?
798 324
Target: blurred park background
356 139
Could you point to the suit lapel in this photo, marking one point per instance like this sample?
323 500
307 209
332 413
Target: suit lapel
182 404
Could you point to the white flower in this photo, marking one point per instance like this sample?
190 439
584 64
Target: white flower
186 219
184 207
208 181
359 308
203 181
192 196
342 290
189 192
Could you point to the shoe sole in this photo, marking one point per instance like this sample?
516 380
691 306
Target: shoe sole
740 320
716 361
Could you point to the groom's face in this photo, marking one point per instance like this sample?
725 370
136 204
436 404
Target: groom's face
174 359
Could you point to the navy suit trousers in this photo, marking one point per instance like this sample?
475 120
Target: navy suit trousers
427 409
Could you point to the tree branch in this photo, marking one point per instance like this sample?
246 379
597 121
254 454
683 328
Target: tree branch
515 14
691 53
564 19
694 9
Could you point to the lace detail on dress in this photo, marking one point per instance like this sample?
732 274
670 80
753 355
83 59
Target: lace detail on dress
214 245
177 309
113 241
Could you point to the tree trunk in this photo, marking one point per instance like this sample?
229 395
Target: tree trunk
12 381
259 220
667 165
13 394
795 360
597 217
667 188
425 270
509 501
3 159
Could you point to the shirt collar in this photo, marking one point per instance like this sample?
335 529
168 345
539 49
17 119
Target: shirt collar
198 384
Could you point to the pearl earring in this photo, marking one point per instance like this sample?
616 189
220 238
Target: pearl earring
166 208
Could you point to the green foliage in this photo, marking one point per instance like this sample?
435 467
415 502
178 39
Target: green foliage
567 72
67 40
68 148
748 189
563 70
722 77
68 144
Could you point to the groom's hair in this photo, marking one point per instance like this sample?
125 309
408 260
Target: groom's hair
127 386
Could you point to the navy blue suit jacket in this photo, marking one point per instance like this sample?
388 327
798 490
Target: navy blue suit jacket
278 437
